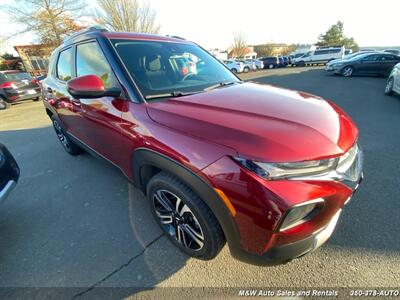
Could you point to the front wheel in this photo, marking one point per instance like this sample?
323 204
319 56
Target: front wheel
36 99
234 70
246 69
4 104
184 217
389 87
66 142
347 71
301 63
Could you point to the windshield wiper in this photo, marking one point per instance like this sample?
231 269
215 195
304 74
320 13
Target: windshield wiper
169 95
221 84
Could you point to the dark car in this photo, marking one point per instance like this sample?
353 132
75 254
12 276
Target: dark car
377 64
270 62
265 169
17 86
9 172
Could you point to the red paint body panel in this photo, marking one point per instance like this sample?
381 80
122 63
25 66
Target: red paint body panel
253 119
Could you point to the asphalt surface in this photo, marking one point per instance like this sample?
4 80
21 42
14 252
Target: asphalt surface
77 222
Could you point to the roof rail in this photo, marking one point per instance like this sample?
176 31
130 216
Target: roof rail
95 28
177 37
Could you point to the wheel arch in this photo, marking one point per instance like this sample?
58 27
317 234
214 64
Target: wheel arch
147 163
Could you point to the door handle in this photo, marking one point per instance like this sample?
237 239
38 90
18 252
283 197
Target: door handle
75 101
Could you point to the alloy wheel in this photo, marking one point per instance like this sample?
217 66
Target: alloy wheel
60 134
347 71
178 220
389 86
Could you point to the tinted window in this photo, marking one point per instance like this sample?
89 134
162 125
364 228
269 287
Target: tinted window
16 76
321 52
90 60
388 57
64 65
336 51
371 58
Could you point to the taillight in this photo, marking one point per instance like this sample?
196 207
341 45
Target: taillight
8 85
35 81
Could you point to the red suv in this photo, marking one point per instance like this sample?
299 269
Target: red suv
264 168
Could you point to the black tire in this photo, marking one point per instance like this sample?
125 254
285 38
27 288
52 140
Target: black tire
36 99
389 86
301 64
191 211
271 66
234 70
246 69
64 139
4 104
347 71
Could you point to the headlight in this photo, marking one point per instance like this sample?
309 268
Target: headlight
289 170
301 213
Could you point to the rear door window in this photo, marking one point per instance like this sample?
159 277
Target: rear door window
64 65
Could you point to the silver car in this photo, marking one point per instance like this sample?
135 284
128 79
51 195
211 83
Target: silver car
258 63
393 82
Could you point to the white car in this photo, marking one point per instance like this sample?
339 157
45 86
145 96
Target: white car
248 65
234 66
393 82
319 56
258 63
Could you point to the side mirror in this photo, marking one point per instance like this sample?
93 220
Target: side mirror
90 86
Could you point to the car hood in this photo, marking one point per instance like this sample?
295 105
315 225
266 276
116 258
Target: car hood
261 122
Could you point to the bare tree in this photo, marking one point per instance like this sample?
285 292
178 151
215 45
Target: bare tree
50 20
239 45
127 15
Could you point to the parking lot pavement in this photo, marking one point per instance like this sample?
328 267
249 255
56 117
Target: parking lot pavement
77 222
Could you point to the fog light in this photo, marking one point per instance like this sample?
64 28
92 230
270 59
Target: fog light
301 213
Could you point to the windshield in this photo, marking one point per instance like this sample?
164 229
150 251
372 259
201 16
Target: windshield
17 76
162 68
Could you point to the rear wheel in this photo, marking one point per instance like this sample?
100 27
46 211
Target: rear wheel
184 217
36 99
270 66
4 104
246 69
347 71
234 70
66 142
389 86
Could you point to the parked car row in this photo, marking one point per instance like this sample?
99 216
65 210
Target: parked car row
364 63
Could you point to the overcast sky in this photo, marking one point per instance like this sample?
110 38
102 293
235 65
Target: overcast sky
211 23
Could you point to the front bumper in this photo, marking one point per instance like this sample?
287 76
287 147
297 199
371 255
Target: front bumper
285 253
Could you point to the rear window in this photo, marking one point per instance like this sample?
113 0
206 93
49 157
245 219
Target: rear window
16 76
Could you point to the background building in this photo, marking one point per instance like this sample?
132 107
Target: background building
35 58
